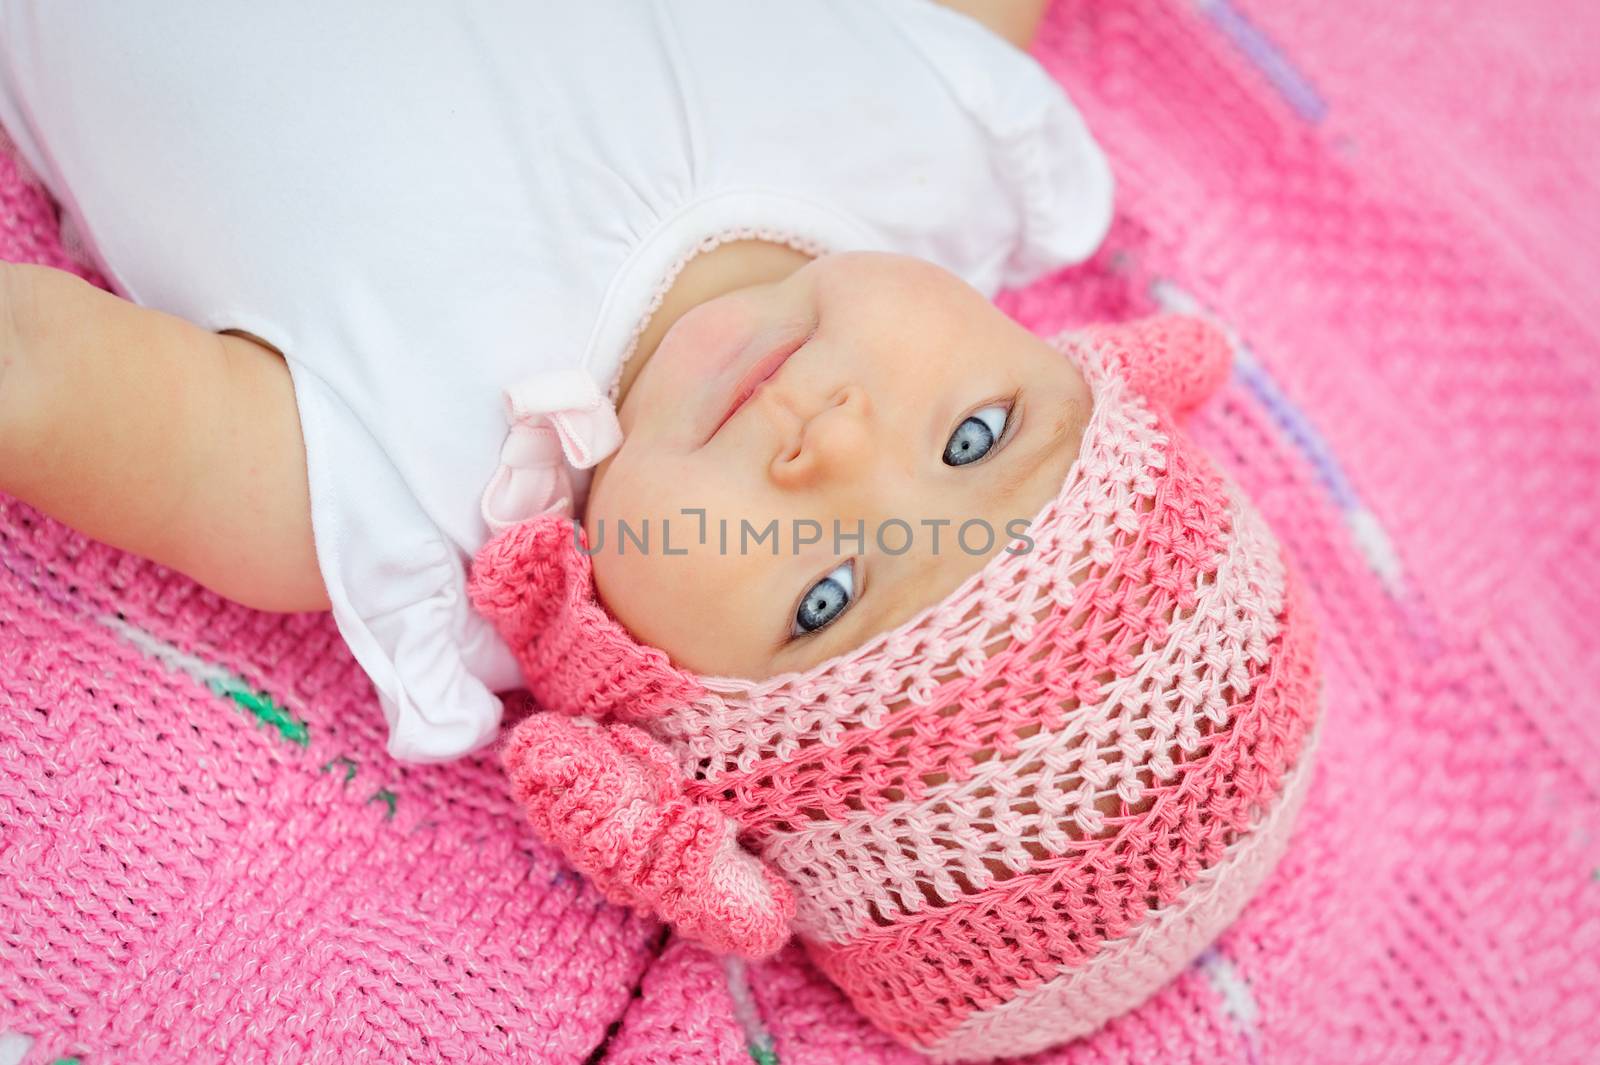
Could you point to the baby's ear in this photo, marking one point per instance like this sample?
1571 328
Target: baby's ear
1172 359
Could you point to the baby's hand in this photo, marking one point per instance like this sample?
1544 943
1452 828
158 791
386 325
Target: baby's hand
155 436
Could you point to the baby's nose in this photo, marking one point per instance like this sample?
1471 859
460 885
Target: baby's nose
833 442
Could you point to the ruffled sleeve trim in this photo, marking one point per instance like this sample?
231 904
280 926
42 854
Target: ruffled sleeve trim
397 588
1059 175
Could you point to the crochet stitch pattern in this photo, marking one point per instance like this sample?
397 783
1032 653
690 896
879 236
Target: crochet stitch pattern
1071 753
1390 206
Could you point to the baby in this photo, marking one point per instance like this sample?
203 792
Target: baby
854 611
357 230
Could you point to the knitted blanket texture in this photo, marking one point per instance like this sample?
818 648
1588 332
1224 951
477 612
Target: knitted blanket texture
205 854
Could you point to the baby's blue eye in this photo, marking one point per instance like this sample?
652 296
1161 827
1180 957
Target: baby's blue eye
826 600
975 437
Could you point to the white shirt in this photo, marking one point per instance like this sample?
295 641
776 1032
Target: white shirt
421 204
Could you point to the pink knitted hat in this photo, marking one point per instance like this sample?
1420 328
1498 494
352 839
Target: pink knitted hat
998 825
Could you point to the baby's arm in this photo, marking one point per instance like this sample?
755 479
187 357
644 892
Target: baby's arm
1015 20
156 436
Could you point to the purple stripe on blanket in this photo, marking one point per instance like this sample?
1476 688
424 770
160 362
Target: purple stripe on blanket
1285 76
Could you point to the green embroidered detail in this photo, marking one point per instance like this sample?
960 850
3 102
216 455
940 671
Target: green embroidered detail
65 1061
261 705
1595 876
763 1055
227 685
387 796
214 677
348 763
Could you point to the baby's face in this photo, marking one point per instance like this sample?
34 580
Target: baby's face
904 407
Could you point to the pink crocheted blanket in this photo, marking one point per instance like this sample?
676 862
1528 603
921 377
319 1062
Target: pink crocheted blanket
205 854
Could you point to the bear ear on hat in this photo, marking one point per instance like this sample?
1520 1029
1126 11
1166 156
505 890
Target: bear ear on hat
1172 359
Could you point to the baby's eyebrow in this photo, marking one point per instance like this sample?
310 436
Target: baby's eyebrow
1022 468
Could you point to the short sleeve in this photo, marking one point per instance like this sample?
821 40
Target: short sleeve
398 591
1055 170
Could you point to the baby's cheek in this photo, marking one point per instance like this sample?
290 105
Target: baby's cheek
673 592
